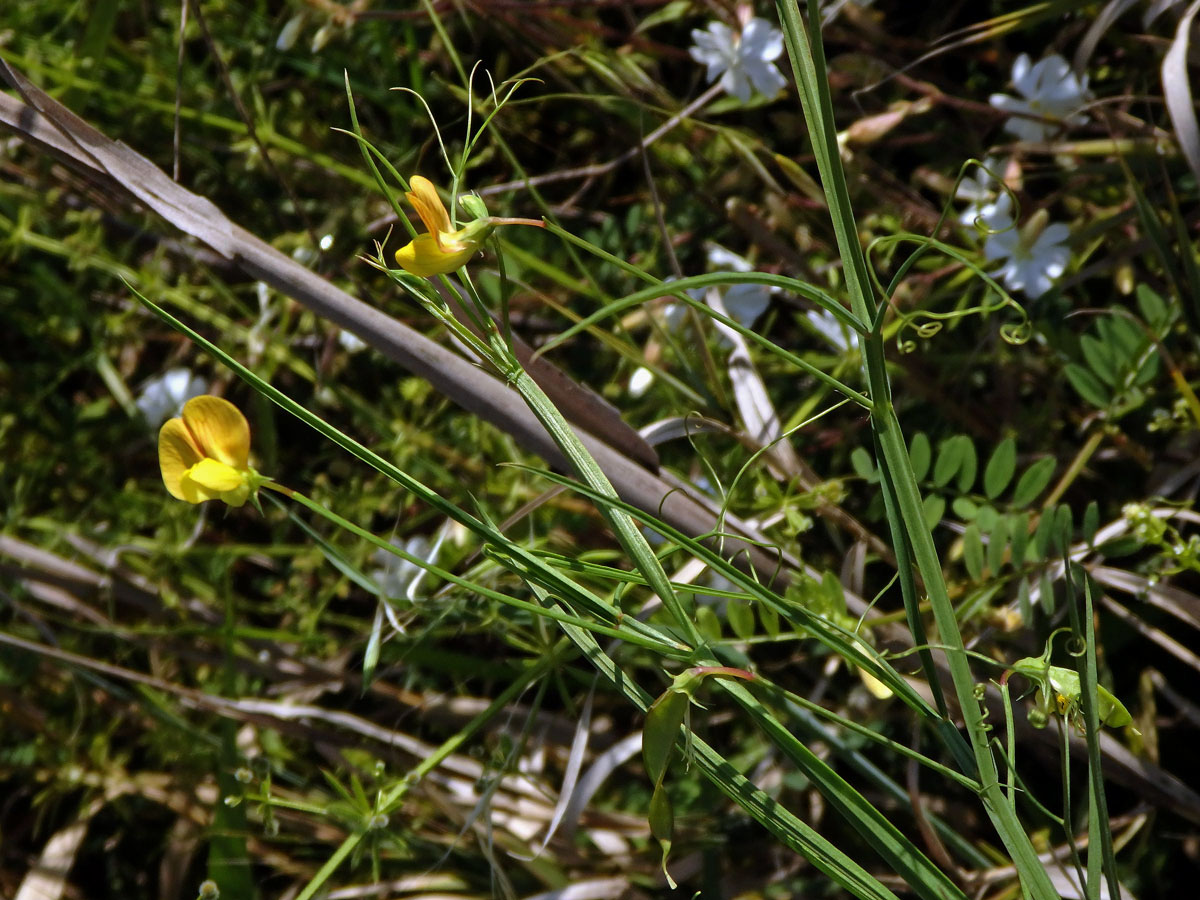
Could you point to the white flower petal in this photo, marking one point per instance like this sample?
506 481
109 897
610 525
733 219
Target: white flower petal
765 77
761 40
1021 72
1008 104
1001 245
838 335
1056 233
640 381
1030 130
978 184
721 258
715 69
351 342
673 314
1051 71
993 216
735 82
1025 129
717 39
1066 95
163 397
745 303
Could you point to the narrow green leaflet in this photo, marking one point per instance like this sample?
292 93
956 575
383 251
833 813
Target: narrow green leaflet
1000 468
1033 481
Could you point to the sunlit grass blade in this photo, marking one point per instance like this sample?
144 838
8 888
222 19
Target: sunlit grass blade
531 565
809 68
1100 858
905 858
837 639
782 823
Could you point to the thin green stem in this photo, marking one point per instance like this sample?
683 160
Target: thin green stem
628 634
393 797
1090 446
869 734
622 524
808 65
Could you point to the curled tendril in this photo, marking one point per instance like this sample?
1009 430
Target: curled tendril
1017 333
928 324
1050 643
928 329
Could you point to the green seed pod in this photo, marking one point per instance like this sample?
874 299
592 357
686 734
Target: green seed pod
662 826
663 719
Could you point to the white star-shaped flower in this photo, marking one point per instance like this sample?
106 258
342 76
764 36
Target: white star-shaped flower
741 61
1034 256
1048 88
164 396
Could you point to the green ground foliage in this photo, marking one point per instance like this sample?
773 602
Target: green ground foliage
993 476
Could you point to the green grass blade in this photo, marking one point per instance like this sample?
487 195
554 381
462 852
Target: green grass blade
1100 857
790 830
525 563
905 858
808 65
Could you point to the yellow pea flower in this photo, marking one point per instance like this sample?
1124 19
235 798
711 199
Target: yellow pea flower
441 251
205 455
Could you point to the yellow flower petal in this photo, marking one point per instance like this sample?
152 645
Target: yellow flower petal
177 453
212 480
214 476
423 256
219 430
425 200
877 688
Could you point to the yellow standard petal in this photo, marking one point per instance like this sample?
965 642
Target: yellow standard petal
425 200
219 430
177 453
